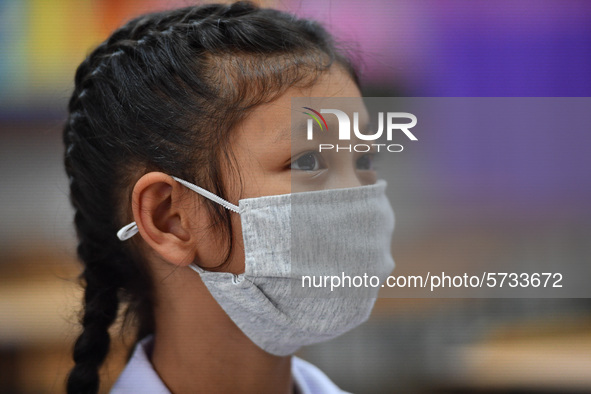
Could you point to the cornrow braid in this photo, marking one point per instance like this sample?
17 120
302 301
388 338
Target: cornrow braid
106 266
163 93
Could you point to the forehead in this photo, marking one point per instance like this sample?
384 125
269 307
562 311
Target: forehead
271 123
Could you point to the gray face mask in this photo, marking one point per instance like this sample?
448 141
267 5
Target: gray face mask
297 247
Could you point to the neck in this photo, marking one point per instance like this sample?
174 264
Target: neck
197 348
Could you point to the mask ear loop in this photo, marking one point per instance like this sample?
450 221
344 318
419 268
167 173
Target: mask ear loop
208 194
131 229
127 231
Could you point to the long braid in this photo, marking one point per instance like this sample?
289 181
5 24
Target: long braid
102 275
163 93
107 266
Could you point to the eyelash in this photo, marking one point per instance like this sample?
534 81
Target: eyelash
318 158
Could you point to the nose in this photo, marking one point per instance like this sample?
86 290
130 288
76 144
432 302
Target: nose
344 183
344 174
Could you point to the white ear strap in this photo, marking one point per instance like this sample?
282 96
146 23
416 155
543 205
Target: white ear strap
131 229
127 231
208 194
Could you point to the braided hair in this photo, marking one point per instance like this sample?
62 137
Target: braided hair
163 93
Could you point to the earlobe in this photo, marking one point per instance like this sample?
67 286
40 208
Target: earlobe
163 222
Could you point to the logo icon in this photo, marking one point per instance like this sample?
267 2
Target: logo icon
315 117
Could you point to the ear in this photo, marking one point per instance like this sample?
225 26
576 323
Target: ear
164 216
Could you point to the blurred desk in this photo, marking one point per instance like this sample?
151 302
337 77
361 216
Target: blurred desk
38 311
39 304
552 363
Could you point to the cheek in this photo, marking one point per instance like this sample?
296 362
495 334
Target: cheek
213 245
236 263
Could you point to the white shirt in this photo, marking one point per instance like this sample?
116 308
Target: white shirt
139 376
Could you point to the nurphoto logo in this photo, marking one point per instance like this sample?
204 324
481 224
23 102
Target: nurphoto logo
393 125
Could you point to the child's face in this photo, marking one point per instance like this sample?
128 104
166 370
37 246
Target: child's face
271 162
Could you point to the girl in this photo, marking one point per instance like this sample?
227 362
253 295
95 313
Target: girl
202 96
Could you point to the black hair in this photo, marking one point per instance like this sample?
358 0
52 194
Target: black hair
163 92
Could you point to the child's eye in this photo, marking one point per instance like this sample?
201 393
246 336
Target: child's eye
366 162
307 162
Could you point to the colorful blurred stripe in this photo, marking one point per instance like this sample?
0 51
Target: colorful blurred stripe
43 41
414 48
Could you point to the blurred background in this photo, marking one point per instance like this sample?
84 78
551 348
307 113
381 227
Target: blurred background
463 202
